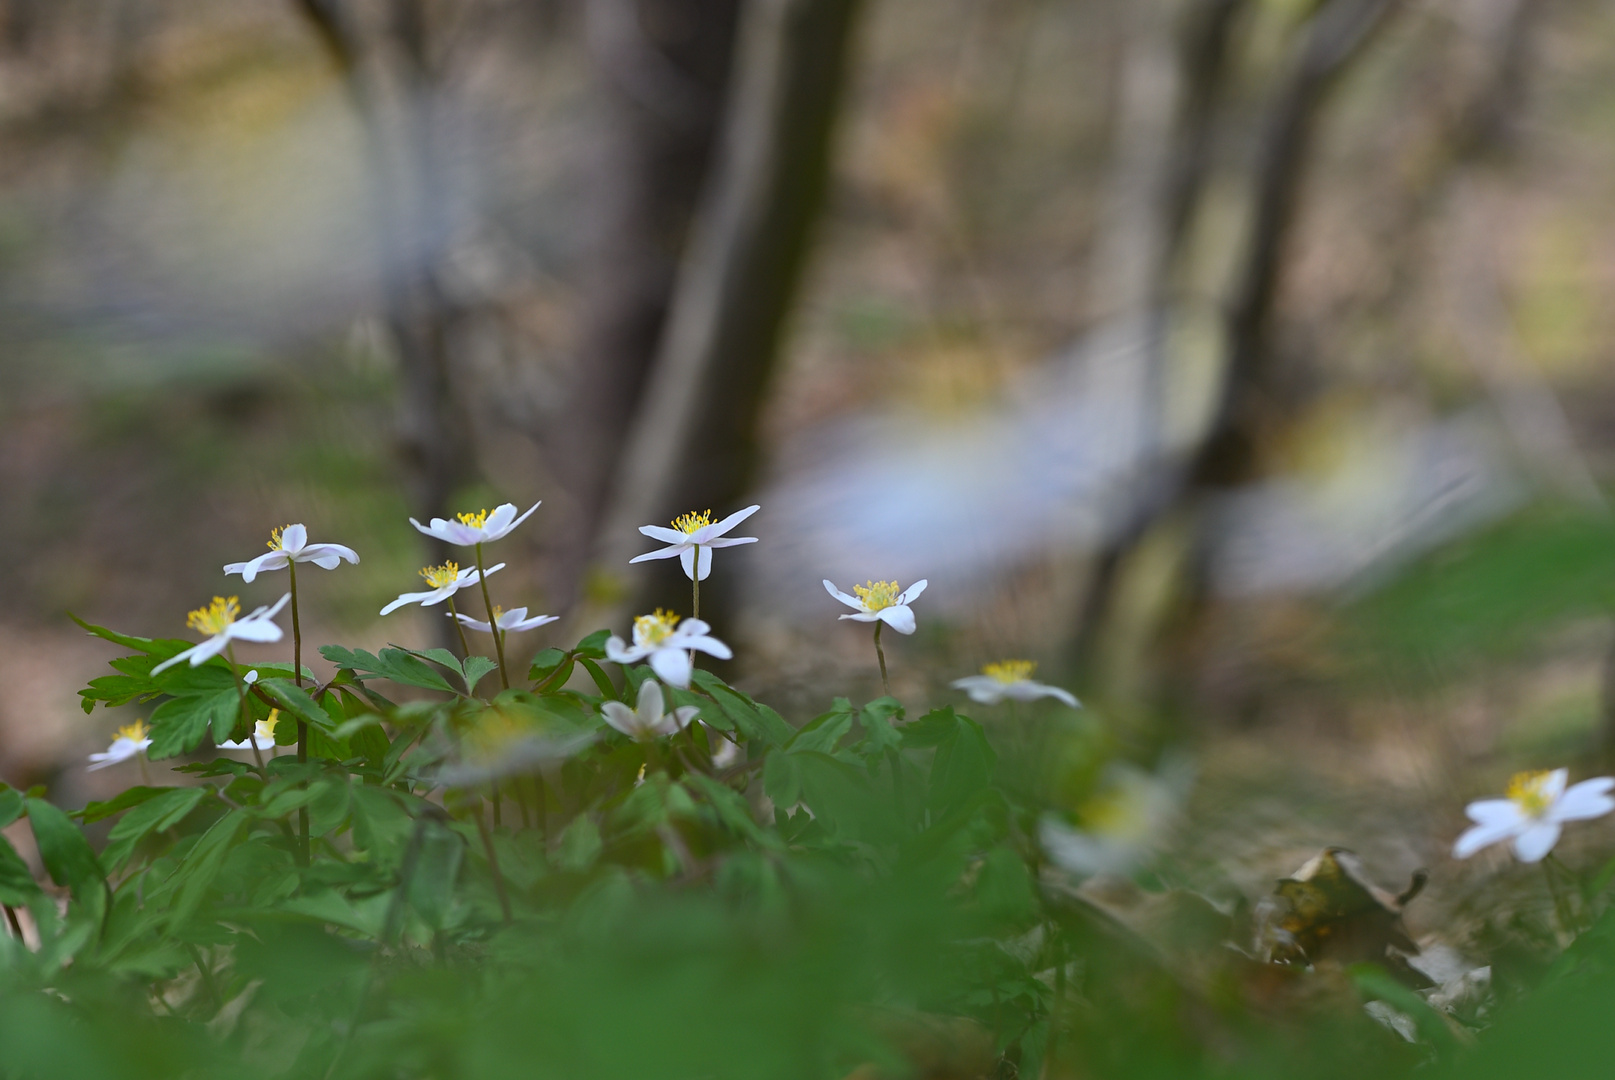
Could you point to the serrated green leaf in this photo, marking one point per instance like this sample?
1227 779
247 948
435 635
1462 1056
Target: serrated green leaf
179 724
162 811
17 885
201 865
476 669
546 664
295 702
752 721
134 796
11 805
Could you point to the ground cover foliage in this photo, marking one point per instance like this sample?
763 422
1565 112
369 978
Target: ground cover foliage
422 872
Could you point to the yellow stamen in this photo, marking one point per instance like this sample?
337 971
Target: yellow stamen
877 595
274 537
439 577
1010 671
654 629
1528 792
265 729
216 616
476 520
688 523
134 732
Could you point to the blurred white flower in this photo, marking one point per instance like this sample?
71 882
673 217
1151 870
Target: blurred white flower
1121 824
250 677
131 740
513 621
1011 679
880 600
695 531
263 735
1532 813
289 544
666 644
219 620
648 721
482 527
445 581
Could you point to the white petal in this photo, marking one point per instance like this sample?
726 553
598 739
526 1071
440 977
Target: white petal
899 618
534 623
438 529
1062 695
620 717
863 616
1588 799
706 562
1535 842
293 538
250 677
1495 812
618 652
694 628
259 630
407 598
850 601
709 645
687 560
662 533
506 529
271 612
210 648
499 522
718 528
659 553
327 556
1554 785
650 701
1480 836
176 658
729 541
912 593
684 714
673 665
468 621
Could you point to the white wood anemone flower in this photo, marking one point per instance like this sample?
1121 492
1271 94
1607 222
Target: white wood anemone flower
289 544
880 601
513 621
480 527
130 740
692 532
648 721
1121 824
1010 680
665 643
445 581
1532 813
219 621
262 737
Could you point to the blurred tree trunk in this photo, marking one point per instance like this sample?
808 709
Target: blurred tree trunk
666 66
409 211
1247 408
693 442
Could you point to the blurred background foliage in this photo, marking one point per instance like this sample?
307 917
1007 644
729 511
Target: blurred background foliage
1244 362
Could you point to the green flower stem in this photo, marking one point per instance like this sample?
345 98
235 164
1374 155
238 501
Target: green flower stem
493 625
885 687
302 725
695 586
465 650
1561 905
246 713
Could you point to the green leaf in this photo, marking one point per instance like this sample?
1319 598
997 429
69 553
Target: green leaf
476 669
294 700
11 805
546 664
608 689
593 646
202 863
580 844
823 732
117 690
963 766
394 664
17 885
66 854
134 796
178 725
876 721
162 811
930 730
750 719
